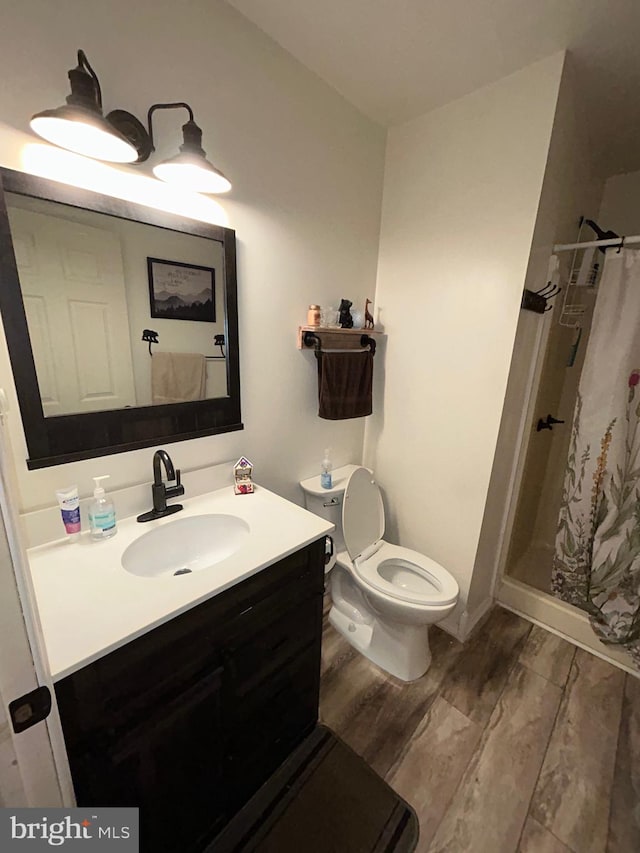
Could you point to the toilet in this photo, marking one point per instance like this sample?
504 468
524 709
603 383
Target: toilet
384 597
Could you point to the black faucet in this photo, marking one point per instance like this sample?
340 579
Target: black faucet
161 492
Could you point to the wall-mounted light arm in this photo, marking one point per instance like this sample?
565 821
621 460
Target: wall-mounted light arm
173 106
140 136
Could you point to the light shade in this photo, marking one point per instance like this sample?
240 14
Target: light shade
190 168
193 173
84 131
79 125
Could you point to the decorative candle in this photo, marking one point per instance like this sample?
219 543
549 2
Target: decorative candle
313 315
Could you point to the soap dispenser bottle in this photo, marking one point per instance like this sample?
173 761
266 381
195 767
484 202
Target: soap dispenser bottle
326 480
102 513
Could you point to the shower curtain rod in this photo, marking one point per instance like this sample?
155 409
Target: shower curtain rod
603 244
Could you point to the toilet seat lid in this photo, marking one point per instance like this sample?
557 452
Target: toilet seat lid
362 512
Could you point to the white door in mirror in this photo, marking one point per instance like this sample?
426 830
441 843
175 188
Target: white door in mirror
72 283
185 545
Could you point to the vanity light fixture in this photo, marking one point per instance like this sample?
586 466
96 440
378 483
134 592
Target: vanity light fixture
80 126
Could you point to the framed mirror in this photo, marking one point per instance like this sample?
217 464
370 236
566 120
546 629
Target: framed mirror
121 321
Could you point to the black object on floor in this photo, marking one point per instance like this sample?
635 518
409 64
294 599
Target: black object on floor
323 799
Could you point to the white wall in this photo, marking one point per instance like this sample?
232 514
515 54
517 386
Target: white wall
306 169
620 208
462 185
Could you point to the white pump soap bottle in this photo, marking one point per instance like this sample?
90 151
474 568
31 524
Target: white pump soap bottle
102 513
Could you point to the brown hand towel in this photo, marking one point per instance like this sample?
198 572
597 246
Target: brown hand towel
178 377
344 384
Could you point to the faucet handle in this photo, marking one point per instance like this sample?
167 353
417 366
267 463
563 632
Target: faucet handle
178 489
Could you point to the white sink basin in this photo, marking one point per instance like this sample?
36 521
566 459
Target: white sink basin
185 545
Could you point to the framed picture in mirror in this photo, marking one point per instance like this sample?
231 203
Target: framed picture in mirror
179 291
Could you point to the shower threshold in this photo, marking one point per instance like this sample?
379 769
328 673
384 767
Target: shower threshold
560 618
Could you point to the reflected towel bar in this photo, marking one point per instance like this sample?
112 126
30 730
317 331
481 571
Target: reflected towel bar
151 337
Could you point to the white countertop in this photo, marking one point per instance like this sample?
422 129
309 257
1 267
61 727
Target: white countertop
89 605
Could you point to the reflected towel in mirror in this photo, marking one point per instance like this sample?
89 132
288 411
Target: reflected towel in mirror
178 377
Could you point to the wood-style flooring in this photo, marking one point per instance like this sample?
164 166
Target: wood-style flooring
516 742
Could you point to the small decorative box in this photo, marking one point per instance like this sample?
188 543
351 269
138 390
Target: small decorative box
242 471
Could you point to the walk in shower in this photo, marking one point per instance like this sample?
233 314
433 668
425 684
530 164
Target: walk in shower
576 526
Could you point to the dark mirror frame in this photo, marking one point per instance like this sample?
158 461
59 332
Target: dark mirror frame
67 438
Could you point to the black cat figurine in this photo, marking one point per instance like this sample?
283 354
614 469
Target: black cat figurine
346 320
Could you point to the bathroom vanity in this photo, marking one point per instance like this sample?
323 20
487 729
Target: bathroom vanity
188 717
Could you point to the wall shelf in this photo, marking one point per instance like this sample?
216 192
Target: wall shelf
333 337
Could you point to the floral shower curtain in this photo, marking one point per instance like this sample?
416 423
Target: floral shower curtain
596 565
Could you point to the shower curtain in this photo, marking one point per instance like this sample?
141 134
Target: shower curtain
596 564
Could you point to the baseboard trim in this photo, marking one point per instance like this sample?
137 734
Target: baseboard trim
450 626
470 621
461 627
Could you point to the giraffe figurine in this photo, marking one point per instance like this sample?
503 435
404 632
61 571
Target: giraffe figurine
368 318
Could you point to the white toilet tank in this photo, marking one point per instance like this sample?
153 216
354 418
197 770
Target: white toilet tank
327 503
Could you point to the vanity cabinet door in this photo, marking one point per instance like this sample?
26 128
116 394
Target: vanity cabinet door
170 766
272 682
267 637
275 717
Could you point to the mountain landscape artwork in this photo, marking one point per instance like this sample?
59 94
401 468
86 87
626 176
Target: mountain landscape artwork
179 291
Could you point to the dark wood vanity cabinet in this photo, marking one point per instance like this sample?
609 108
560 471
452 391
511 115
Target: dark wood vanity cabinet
187 721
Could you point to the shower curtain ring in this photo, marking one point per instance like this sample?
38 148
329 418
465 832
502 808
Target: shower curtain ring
621 246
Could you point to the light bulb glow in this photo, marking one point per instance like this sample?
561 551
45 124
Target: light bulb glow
192 177
84 137
47 161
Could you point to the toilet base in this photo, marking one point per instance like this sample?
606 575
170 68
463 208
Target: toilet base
401 650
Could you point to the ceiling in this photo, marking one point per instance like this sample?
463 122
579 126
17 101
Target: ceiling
397 59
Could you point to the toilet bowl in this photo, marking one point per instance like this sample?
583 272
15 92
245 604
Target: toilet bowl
384 596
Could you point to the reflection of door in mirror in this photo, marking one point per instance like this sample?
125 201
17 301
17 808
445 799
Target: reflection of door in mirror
85 283
73 289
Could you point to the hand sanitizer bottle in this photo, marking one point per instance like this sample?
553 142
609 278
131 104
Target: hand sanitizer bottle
326 480
102 513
